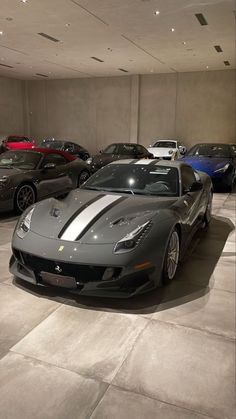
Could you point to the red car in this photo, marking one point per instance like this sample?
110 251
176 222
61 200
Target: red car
17 142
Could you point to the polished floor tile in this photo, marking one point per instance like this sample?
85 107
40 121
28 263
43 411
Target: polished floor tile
32 390
92 343
184 367
120 404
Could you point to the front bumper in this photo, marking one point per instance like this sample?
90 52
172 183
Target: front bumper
87 279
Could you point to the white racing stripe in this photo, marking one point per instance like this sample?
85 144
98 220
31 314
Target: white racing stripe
86 216
144 161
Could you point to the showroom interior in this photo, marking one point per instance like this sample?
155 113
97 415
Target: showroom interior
98 72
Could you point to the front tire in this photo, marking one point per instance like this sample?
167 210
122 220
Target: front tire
82 178
24 197
171 258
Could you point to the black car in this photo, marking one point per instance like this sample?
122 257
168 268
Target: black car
75 149
118 151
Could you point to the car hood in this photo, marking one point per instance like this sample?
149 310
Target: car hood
9 171
161 151
95 217
206 164
100 160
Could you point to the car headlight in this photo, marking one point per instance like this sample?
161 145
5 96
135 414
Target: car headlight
131 240
170 152
4 181
89 160
24 224
222 169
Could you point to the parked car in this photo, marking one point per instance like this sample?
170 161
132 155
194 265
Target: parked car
118 151
122 233
217 160
63 145
167 149
16 142
27 176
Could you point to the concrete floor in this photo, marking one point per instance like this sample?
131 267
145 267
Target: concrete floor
168 355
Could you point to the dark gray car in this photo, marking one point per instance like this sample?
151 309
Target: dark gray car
27 176
118 151
122 233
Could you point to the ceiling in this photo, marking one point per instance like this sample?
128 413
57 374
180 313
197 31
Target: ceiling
124 34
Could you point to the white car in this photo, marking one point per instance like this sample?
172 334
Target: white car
167 149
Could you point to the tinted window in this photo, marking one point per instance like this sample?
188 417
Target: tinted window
69 147
165 144
111 149
137 179
57 159
141 149
20 159
210 150
188 177
57 145
128 149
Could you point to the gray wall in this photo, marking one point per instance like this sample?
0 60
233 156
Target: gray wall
196 106
12 107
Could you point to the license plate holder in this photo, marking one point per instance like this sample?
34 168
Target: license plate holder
58 280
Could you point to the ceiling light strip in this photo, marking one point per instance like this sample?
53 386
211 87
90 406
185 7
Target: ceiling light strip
201 19
50 38
97 59
89 12
41 75
122 69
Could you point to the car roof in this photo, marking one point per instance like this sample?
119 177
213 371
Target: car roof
46 151
155 162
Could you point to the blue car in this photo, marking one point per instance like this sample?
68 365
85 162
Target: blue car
217 160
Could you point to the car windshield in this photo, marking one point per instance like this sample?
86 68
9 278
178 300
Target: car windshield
210 150
13 139
165 144
136 179
20 159
56 145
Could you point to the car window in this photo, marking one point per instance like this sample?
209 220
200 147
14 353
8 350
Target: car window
57 159
130 149
111 149
69 147
21 159
165 144
210 150
188 178
141 149
13 139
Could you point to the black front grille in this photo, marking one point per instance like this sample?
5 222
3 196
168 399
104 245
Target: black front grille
81 273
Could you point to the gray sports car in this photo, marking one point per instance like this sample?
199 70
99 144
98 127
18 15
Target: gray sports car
122 233
27 176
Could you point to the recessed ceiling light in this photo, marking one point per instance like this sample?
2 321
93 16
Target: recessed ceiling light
184 42
172 29
156 12
67 25
207 66
24 1
1 32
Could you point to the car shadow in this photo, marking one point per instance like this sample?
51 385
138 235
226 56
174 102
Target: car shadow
192 279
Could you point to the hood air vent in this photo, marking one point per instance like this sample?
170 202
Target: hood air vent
5 65
218 48
41 75
97 59
201 19
50 38
122 69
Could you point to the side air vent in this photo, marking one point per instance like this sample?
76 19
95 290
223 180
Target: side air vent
122 69
227 63
5 65
50 38
97 59
41 75
201 19
218 48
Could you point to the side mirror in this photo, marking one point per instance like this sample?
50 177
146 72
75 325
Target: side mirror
196 186
49 166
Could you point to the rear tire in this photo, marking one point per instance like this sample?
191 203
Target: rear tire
84 175
24 197
171 258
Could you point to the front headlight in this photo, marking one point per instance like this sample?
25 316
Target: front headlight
4 181
222 169
24 224
89 160
131 240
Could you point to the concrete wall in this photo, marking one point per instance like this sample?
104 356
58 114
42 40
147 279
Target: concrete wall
12 107
196 106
